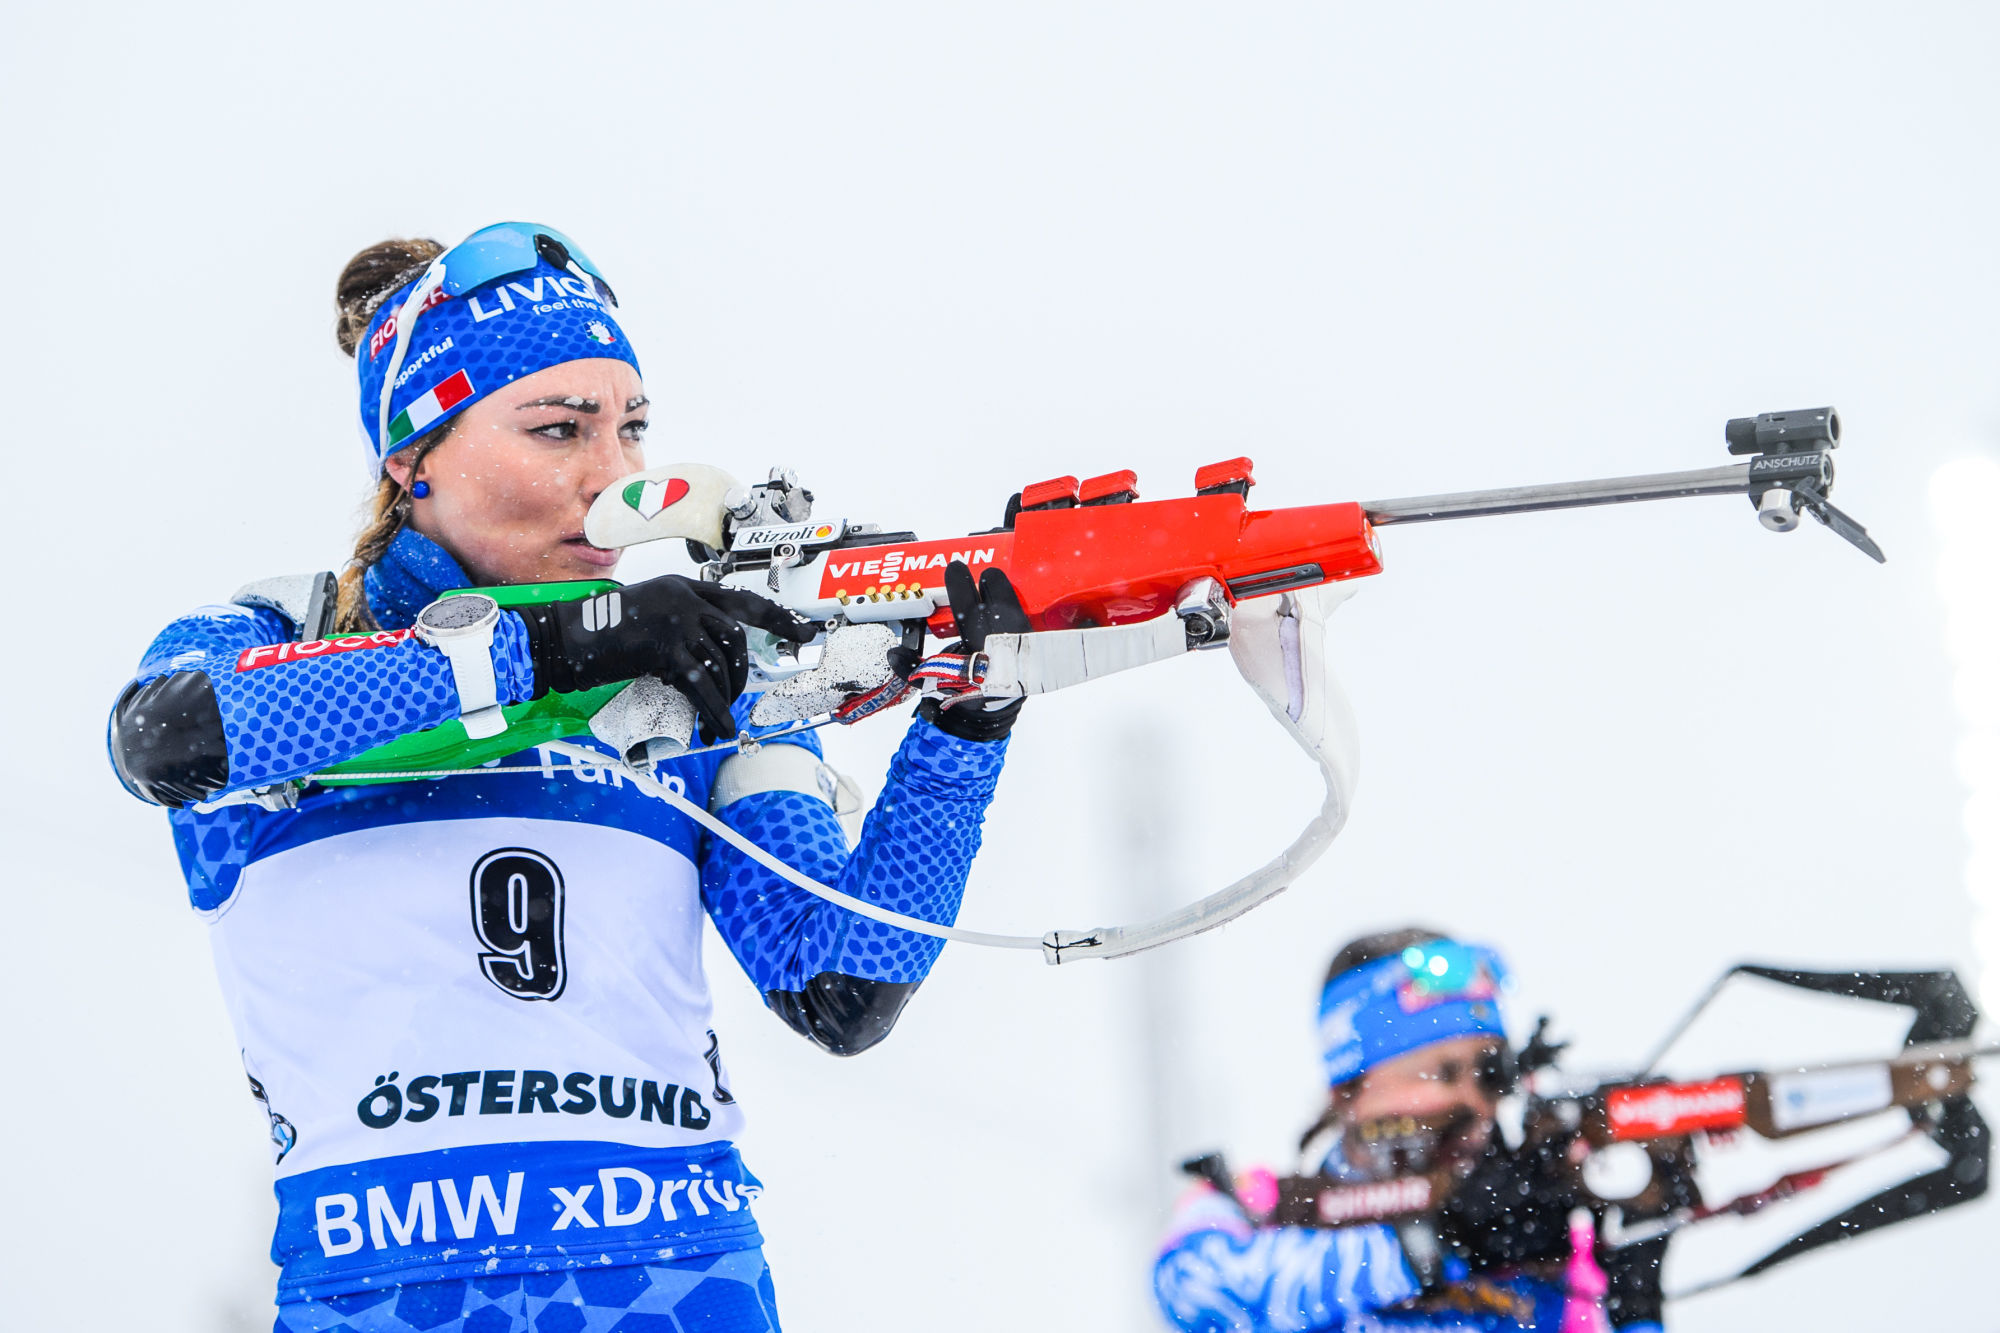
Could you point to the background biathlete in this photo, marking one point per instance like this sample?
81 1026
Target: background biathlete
474 1008
1415 1053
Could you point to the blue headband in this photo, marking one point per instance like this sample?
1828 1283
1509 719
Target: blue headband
465 347
1394 1005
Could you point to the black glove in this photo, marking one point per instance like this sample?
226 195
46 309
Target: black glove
1634 1271
1513 1208
991 608
687 633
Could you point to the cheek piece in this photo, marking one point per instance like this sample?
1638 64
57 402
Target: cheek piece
462 330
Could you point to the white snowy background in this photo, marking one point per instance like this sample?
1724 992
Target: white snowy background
925 254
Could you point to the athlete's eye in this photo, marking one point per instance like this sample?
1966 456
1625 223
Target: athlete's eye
556 430
634 430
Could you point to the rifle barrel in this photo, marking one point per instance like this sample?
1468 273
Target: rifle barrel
1947 1050
1732 479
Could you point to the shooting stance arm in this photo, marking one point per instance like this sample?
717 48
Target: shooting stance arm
227 700
836 978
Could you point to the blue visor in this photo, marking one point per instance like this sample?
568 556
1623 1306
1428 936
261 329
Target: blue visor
506 248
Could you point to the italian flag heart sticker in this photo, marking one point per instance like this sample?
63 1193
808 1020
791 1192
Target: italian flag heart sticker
650 497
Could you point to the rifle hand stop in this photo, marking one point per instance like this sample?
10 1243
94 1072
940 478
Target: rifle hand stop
1792 471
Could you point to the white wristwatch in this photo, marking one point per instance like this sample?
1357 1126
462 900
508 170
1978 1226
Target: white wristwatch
462 628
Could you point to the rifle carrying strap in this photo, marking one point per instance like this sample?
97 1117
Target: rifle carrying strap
1022 664
1279 645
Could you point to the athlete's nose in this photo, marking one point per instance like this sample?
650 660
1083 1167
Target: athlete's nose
607 463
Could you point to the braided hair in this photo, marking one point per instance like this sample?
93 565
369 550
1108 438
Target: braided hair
368 280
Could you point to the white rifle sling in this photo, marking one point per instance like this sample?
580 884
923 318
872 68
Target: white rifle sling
1279 645
1020 664
653 787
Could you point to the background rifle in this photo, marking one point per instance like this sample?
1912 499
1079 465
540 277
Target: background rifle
1625 1149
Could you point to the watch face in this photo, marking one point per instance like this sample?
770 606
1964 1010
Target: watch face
457 612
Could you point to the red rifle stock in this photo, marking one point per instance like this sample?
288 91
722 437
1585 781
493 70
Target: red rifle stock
1079 562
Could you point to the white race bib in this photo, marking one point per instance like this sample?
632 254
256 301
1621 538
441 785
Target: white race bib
447 983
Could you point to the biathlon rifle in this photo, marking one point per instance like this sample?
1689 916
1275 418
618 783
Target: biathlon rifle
1626 1149
1109 582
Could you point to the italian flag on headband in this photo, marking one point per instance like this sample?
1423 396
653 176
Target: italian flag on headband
418 416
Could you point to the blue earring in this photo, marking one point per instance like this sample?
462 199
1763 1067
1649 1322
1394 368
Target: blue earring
421 491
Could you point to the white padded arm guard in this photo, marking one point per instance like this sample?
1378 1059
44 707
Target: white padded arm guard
767 768
789 768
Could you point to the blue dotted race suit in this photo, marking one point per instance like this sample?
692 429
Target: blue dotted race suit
720 1293
1218 1272
474 1008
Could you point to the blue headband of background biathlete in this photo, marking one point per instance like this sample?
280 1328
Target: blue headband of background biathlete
465 347
1394 1005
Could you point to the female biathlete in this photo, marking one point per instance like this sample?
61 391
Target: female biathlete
474 1008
